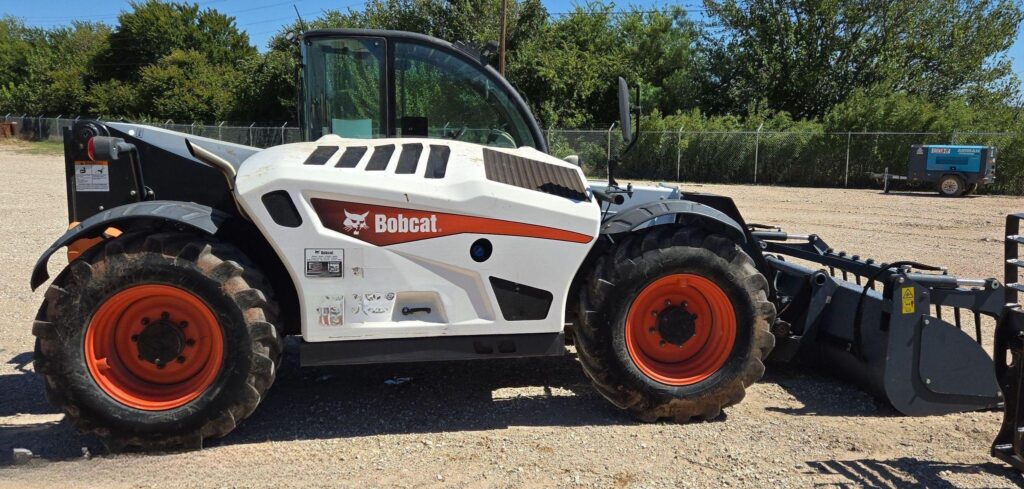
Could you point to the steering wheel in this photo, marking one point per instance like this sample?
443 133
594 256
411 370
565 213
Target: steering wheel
458 134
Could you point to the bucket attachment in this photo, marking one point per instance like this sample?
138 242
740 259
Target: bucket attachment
1009 353
885 326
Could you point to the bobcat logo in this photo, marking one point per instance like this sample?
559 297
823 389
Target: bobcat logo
355 222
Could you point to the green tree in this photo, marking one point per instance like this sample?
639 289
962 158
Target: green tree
153 29
185 86
805 56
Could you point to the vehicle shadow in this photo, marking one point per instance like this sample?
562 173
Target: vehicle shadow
822 394
369 400
926 193
356 401
352 401
900 472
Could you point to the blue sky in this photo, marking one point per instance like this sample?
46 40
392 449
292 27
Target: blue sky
262 18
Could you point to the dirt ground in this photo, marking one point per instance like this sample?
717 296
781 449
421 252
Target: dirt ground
528 423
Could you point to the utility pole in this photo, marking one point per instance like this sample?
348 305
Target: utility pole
504 34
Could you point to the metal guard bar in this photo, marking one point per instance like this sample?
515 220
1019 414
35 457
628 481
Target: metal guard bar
1009 345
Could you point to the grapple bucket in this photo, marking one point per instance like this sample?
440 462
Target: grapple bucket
898 329
1009 353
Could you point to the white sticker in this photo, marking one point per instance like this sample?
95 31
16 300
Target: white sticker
331 311
325 262
92 176
371 307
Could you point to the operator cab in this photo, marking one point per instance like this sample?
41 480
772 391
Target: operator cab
369 84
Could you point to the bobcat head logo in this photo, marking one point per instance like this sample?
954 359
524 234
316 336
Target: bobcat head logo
355 222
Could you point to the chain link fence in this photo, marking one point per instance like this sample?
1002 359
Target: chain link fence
260 136
820 159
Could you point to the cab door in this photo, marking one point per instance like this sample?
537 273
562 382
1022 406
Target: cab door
358 84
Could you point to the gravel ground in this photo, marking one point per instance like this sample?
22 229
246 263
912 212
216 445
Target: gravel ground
525 423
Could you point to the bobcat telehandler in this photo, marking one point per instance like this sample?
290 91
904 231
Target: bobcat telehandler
425 221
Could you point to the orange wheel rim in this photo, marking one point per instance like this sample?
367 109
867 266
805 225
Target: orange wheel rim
680 329
132 331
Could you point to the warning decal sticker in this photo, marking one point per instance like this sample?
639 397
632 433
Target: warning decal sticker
907 295
92 176
325 262
331 311
371 307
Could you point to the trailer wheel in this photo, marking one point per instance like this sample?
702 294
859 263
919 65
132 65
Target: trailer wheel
157 341
951 186
676 324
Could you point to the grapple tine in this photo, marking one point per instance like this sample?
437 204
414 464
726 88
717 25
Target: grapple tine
888 339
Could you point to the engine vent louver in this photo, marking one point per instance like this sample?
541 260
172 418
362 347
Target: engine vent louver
437 161
533 175
320 155
351 157
409 158
380 157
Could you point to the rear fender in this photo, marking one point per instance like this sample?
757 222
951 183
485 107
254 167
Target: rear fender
194 216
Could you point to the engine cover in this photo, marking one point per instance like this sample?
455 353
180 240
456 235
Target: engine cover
397 238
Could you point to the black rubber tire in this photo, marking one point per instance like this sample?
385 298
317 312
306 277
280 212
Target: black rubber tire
961 186
618 276
215 272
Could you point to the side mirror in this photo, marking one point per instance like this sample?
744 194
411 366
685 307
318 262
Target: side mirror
624 111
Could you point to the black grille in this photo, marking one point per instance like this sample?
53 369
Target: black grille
350 158
533 175
321 154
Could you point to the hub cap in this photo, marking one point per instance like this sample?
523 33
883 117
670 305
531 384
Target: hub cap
950 186
153 347
680 329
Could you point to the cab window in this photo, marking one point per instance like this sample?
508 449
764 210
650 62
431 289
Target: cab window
441 96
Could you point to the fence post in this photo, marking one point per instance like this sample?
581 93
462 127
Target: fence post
952 137
757 142
220 131
610 140
192 128
679 151
846 174
250 134
282 131
39 126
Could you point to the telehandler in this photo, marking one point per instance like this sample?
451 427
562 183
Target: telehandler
424 221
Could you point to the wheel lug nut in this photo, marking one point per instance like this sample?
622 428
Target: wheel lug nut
145 321
190 342
661 343
654 313
165 315
181 359
652 330
183 324
135 338
668 303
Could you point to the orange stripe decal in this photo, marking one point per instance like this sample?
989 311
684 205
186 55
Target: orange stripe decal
382 226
